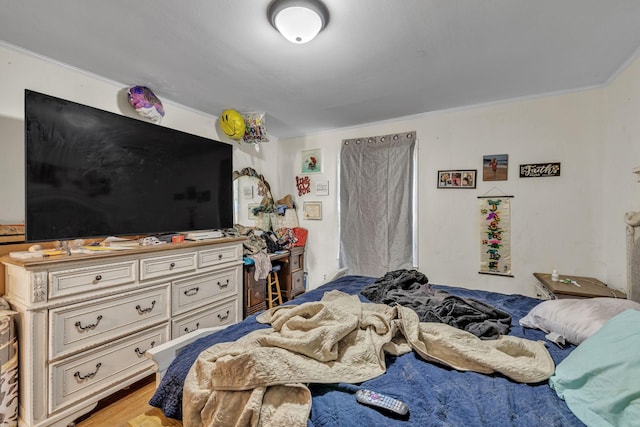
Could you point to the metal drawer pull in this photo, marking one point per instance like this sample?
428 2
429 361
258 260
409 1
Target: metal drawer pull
98 277
219 256
145 310
196 328
225 317
223 285
90 326
79 376
142 352
191 292
172 265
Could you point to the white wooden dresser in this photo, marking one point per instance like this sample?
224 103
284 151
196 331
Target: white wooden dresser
85 321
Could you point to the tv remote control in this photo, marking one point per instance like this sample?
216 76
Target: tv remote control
371 398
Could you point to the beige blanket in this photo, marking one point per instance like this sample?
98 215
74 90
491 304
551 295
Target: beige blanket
259 379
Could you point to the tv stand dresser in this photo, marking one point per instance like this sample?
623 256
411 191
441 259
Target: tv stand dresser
85 321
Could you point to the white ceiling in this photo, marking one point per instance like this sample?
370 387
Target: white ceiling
376 60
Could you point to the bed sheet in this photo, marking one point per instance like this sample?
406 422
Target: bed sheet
436 395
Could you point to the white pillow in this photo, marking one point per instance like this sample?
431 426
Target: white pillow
575 319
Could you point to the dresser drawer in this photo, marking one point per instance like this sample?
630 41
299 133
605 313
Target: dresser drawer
219 315
74 379
88 324
297 259
151 268
297 283
256 293
83 279
221 255
201 290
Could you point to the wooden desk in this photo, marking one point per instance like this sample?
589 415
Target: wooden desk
291 278
589 287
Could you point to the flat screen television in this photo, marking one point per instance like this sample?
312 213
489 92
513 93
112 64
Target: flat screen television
93 173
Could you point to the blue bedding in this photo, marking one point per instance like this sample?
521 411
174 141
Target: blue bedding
437 396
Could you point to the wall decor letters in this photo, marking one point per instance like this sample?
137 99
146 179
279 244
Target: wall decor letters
303 184
538 170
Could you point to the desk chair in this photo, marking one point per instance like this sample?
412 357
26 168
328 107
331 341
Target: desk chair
273 286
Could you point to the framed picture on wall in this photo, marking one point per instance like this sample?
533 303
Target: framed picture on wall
463 178
311 161
322 188
312 210
495 167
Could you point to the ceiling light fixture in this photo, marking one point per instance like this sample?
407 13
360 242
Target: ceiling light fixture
299 21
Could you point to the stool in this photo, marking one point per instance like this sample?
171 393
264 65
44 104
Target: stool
273 281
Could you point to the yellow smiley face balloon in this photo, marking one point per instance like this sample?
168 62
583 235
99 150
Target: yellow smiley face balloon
232 124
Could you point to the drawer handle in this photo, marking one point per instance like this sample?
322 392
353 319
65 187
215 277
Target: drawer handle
219 256
222 286
98 277
145 310
172 265
191 292
81 377
142 352
90 326
225 317
195 329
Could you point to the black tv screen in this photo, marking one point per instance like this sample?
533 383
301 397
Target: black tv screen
92 173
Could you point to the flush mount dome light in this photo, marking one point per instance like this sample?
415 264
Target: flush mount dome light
299 21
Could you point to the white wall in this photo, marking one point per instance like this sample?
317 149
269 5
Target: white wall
556 221
572 223
620 154
20 71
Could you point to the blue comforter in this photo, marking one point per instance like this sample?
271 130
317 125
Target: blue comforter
437 396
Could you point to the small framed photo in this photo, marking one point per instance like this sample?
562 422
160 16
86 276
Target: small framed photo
312 210
463 178
247 192
322 188
495 167
311 161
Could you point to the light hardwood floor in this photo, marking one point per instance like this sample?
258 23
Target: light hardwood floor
126 405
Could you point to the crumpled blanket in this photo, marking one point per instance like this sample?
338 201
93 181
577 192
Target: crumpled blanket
410 288
259 379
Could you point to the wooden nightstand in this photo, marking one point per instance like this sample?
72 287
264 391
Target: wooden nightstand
589 287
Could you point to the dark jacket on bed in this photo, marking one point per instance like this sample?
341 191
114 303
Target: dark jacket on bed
410 288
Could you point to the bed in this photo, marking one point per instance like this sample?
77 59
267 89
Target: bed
595 382
436 395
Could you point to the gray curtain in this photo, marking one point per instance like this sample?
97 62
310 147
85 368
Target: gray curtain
376 203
